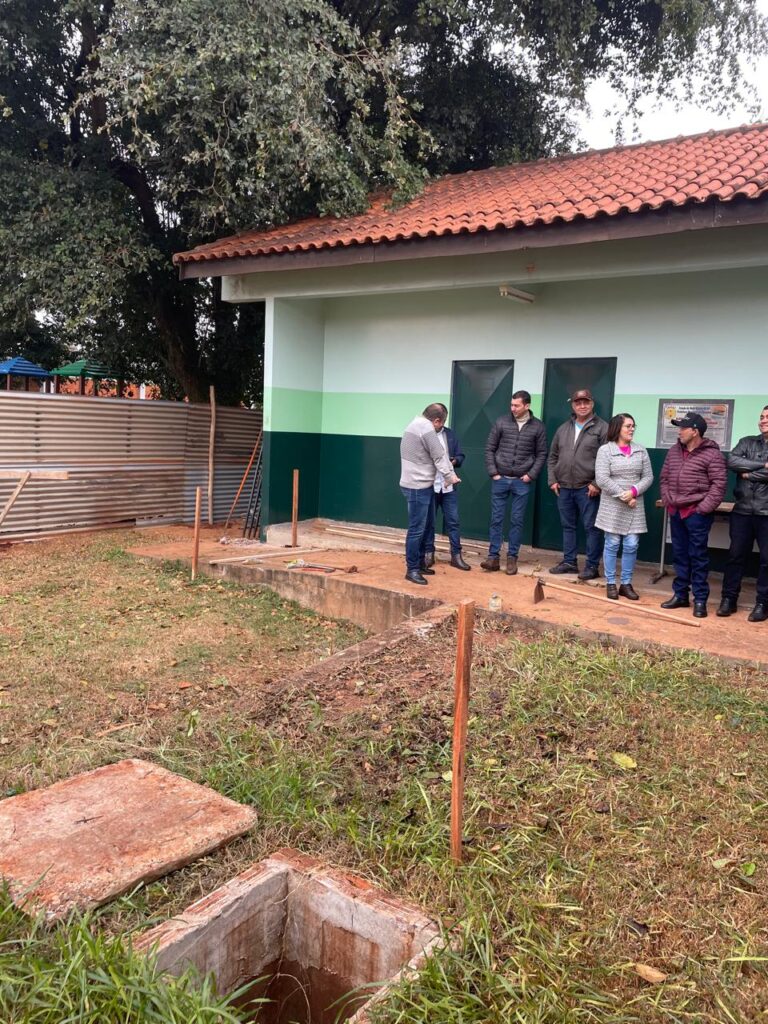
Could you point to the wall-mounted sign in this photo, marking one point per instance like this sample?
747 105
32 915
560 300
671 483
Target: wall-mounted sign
718 412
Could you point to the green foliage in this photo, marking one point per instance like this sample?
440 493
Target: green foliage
133 129
74 974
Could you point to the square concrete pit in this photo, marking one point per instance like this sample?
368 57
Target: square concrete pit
311 934
81 842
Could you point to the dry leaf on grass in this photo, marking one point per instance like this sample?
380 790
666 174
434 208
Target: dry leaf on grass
650 974
624 761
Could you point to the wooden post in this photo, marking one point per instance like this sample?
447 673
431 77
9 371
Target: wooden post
295 511
196 538
466 624
211 446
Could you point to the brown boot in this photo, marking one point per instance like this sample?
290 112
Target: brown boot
490 564
511 565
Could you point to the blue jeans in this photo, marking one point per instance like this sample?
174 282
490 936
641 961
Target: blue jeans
421 519
690 553
448 501
628 556
512 490
574 503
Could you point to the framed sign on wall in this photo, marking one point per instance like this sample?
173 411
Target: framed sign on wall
718 412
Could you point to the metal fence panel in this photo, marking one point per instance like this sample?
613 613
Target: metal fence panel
128 461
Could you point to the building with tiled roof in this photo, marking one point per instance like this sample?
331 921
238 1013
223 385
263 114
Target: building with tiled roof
639 271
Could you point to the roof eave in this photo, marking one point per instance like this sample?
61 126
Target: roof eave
665 221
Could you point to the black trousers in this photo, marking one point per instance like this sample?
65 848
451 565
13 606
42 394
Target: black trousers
745 530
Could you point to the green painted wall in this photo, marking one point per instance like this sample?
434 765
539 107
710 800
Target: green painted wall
343 376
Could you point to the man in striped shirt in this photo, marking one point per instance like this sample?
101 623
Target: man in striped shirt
422 456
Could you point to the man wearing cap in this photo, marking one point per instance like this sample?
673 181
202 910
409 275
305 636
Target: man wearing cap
693 481
748 521
571 472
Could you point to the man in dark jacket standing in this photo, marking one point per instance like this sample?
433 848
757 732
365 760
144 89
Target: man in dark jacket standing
749 521
447 499
571 470
693 480
514 457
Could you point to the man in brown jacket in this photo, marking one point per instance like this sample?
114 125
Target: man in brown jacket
693 481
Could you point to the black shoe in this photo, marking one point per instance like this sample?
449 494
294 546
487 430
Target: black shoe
677 602
564 567
590 573
612 591
628 591
425 570
699 609
490 564
414 576
727 607
429 560
457 561
759 613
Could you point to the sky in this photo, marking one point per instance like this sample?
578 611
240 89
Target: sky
664 121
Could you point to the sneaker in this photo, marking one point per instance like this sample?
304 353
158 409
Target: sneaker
564 567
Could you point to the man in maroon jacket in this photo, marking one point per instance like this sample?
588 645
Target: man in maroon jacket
693 481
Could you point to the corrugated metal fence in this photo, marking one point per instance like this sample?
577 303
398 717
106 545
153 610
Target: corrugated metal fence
128 461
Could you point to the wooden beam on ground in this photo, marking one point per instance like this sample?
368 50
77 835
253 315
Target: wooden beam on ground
466 624
263 556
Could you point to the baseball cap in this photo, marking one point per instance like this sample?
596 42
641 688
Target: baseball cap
581 393
692 419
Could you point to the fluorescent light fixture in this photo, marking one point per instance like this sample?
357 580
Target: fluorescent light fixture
506 291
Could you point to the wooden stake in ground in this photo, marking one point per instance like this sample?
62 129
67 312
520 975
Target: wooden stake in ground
211 448
295 511
460 715
196 538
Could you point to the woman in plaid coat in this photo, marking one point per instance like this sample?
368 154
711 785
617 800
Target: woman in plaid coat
623 473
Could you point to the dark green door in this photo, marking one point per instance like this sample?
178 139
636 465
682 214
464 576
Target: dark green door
480 393
561 378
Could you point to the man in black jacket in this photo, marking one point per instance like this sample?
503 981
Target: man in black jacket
749 521
571 470
515 454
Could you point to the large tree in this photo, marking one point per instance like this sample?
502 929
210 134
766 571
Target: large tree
131 129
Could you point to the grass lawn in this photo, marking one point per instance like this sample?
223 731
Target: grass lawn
616 859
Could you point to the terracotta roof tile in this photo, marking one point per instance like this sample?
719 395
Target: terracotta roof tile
715 166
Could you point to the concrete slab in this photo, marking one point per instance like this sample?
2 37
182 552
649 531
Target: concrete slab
81 842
